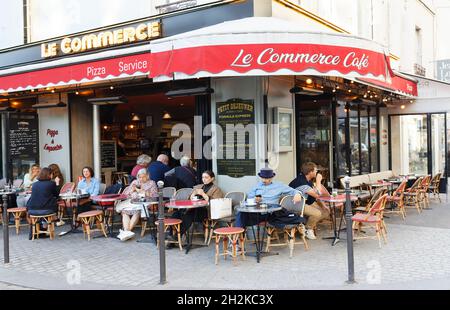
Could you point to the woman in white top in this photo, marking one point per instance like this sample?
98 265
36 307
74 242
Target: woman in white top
28 180
31 176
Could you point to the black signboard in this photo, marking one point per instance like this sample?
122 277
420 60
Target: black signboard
235 113
23 136
109 154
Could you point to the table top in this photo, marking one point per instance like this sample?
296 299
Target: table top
337 199
73 196
109 197
254 209
187 204
145 201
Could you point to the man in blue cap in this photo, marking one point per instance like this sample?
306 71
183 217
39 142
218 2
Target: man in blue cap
267 191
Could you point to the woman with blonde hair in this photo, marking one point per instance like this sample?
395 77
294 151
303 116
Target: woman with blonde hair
31 176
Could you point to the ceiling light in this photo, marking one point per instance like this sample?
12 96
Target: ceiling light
77 92
53 91
166 115
402 106
309 81
135 118
111 87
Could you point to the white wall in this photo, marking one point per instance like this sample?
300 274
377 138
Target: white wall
442 27
11 23
247 88
56 119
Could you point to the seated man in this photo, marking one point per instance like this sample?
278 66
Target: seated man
266 191
314 210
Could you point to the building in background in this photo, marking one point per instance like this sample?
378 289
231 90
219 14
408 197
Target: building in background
355 125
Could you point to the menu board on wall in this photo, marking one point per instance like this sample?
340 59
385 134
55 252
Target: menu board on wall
23 136
109 154
235 112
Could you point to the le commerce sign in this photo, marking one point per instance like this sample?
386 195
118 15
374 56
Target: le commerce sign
102 39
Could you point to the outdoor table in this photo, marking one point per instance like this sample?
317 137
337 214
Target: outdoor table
74 224
258 210
188 205
105 201
333 201
146 203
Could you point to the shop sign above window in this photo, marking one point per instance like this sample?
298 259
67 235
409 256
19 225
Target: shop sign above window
102 39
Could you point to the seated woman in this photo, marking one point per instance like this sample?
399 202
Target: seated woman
88 185
141 187
28 180
57 176
44 195
206 191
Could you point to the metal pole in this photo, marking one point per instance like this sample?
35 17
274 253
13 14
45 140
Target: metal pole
96 140
161 236
348 219
5 230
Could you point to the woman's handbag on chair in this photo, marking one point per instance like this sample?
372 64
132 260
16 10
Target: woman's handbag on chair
220 208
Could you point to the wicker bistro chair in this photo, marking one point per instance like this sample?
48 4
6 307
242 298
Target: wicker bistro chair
17 213
169 192
434 186
35 229
236 199
289 231
412 196
372 218
183 194
63 204
17 183
377 194
397 199
88 218
229 234
423 190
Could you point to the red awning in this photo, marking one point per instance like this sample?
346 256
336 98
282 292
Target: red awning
265 46
120 67
397 84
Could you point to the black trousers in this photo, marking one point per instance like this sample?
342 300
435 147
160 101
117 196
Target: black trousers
188 217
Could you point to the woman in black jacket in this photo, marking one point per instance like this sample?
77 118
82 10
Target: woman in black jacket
44 194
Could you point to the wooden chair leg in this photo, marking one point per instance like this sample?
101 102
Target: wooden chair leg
242 244
225 247
291 242
217 249
17 222
178 228
234 247
144 227
206 226
269 237
102 225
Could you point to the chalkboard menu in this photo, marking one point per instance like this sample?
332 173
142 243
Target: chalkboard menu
23 136
235 113
109 154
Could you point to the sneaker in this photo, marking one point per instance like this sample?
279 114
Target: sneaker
127 235
120 235
310 234
60 223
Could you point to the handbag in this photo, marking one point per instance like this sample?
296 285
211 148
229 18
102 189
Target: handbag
220 208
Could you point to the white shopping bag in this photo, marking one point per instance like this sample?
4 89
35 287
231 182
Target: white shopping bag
220 208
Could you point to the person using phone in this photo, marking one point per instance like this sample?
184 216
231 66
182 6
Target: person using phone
131 213
314 209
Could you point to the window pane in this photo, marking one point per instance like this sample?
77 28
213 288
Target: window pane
409 144
438 142
373 144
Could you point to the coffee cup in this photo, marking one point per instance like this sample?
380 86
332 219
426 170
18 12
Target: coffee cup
250 201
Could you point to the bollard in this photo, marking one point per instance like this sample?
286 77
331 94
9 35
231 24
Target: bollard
348 219
161 235
5 230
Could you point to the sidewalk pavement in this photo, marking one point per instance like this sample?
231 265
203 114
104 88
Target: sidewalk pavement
415 257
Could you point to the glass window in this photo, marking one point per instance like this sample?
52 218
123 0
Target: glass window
438 143
341 136
354 141
409 144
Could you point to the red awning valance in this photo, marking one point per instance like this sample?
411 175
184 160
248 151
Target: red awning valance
120 67
397 84
265 46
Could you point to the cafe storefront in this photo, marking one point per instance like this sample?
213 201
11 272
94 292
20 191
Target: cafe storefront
242 69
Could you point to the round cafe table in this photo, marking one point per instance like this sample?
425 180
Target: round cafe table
70 196
259 238
333 202
188 205
106 201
